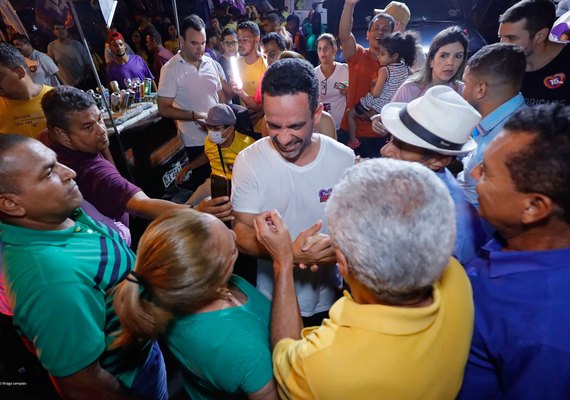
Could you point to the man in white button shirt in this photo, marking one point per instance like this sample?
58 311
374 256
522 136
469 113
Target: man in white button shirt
189 86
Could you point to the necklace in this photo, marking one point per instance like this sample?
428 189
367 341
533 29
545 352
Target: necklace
227 295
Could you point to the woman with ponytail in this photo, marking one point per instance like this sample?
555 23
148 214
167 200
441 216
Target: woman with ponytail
214 323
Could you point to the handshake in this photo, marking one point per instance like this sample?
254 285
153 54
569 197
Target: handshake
310 249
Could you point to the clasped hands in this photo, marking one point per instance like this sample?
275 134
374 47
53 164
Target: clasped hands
309 249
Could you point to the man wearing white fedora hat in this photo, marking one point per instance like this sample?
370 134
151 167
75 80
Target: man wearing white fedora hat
432 130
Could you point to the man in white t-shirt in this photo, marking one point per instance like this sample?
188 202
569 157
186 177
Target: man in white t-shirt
293 171
189 86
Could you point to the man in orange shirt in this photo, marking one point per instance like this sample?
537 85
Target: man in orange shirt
363 67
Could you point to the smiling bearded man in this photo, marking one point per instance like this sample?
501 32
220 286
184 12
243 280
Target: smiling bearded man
293 171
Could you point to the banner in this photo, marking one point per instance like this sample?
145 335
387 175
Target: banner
107 8
49 11
11 19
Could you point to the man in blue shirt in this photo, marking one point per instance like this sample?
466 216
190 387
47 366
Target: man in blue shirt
432 130
520 347
493 78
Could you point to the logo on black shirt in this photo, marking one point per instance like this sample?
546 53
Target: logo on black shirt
555 81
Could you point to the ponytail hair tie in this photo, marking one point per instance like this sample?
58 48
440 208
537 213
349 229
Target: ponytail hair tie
139 280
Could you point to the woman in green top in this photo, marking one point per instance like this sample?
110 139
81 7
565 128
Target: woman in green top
215 323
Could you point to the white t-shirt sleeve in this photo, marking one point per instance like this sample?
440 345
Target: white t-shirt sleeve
48 64
245 187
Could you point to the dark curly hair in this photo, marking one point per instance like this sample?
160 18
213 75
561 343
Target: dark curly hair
402 43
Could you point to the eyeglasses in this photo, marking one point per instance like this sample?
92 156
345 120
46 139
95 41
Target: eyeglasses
230 43
324 87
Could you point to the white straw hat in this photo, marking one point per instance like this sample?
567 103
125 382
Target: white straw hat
441 121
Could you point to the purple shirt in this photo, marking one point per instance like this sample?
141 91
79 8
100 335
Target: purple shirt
98 180
134 68
160 59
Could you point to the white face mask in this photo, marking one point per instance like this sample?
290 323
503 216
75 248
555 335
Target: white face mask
216 137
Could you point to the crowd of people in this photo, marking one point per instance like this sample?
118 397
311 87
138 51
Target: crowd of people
406 214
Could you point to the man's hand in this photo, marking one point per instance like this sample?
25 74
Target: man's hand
378 127
273 234
182 174
311 248
219 207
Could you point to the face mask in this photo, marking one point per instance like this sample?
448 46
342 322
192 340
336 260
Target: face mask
216 137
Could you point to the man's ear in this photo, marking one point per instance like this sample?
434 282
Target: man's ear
482 88
20 71
438 162
60 136
10 206
342 263
536 208
541 36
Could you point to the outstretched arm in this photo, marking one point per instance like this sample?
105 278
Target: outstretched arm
347 40
309 247
286 319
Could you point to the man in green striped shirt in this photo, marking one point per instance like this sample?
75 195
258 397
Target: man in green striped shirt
59 266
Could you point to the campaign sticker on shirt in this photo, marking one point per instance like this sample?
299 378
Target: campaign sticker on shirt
324 195
555 81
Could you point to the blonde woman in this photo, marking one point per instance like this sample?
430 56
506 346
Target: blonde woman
215 323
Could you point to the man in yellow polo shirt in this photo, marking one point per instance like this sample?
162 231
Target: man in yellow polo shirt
404 331
20 97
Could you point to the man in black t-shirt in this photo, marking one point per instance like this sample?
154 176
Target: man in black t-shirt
527 24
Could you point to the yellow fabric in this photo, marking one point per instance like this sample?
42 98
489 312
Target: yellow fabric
379 352
23 116
250 76
172 45
230 153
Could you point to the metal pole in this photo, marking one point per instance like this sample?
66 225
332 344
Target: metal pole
128 171
175 10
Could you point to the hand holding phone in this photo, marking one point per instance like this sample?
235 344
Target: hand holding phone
220 186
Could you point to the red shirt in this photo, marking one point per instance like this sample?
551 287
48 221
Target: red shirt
362 69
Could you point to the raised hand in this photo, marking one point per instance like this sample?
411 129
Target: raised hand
272 233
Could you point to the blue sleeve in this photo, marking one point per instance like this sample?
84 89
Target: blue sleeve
470 235
520 372
535 372
480 380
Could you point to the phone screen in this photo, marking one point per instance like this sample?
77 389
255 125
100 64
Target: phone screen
220 186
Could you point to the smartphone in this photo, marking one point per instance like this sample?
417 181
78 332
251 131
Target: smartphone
220 186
